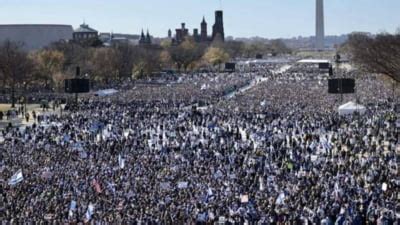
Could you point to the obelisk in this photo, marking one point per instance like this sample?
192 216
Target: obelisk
320 30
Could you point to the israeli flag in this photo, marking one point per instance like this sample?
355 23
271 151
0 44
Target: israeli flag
121 162
261 181
182 185
72 208
281 198
111 187
16 178
89 212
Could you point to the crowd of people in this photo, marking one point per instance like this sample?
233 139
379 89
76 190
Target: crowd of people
277 153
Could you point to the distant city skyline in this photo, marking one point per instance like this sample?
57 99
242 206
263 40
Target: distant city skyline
250 18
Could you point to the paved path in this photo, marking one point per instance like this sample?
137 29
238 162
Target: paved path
20 120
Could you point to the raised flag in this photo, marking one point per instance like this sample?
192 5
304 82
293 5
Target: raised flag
121 162
16 178
72 208
96 186
89 212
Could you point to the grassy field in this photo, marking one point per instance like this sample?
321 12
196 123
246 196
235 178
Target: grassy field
5 107
314 54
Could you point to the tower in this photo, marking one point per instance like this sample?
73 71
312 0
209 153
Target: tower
218 28
148 38
142 39
320 30
181 33
203 30
169 33
196 34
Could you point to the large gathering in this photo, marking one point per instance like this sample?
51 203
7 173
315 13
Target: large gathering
164 112
274 150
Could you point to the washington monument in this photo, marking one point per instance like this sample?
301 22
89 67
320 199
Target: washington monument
320 33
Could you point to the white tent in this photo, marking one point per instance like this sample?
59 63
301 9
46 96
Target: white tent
313 61
106 92
350 108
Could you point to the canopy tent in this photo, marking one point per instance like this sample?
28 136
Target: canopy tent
107 92
351 107
264 61
313 61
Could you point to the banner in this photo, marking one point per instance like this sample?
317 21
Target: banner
244 198
182 185
16 178
121 162
72 208
281 198
96 186
89 213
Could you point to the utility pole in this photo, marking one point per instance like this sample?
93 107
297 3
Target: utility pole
337 62
77 74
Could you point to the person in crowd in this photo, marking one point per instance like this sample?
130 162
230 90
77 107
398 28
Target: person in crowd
27 116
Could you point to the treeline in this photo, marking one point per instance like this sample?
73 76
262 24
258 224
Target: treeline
46 69
378 54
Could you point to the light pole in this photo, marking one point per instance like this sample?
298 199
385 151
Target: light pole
337 62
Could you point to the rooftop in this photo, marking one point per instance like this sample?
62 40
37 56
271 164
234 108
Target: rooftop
84 28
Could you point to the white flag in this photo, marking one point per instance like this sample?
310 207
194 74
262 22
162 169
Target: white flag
261 181
182 185
121 162
16 178
281 198
72 208
89 212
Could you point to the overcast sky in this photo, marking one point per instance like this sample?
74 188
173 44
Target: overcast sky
243 18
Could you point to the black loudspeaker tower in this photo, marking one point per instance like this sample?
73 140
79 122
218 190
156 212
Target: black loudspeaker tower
230 67
330 71
324 66
348 86
341 86
77 85
78 71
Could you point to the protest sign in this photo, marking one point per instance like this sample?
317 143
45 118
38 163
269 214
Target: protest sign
182 185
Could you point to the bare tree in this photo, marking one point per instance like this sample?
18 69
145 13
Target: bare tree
15 65
103 62
216 56
380 54
234 48
186 53
126 55
149 62
48 63
279 47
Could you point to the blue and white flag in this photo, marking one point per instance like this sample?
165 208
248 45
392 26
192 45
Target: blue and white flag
111 186
89 212
182 185
121 162
16 178
281 198
72 208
